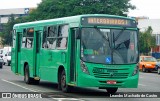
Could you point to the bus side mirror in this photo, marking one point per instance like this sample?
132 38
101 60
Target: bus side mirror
78 34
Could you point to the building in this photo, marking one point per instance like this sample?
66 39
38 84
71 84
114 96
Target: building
6 13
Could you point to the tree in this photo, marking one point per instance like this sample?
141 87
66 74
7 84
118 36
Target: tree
147 41
49 9
7 34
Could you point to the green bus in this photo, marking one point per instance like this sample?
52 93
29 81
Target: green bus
92 50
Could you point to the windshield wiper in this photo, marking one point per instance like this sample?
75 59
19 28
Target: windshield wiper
119 34
103 36
115 38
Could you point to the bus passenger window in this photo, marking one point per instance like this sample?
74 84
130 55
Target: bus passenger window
14 38
62 37
44 42
24 38
28 38
51 37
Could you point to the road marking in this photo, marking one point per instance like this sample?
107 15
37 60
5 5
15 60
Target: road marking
141 84
59 99
20 86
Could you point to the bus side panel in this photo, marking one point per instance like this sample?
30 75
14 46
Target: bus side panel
13 61
27 56
48 69
61 60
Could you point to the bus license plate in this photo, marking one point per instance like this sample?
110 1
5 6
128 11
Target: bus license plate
111 82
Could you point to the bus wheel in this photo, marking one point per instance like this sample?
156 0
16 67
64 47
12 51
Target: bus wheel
143 69
27 79
64 86
111 90
159 70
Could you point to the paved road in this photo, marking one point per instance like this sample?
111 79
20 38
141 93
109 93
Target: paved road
9 82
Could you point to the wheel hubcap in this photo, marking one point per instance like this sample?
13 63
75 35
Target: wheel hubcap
26 77
63 81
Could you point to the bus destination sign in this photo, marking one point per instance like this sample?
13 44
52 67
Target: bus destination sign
108 21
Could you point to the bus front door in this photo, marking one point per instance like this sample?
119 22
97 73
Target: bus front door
73 57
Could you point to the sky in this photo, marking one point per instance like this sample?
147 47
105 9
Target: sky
7 4
148 8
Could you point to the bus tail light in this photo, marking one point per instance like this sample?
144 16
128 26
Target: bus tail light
84 68
136 69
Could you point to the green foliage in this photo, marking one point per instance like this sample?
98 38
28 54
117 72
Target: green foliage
147 41
7 35
49 9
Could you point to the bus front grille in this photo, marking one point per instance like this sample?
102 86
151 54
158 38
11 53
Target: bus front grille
111 75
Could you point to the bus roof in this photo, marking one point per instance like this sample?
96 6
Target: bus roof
71 19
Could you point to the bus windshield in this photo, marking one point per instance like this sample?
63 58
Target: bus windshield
109 46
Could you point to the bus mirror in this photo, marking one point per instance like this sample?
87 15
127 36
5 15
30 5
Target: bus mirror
77 32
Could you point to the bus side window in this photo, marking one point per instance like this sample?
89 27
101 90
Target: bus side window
14 38
51 37
44 41
62 37
24 38
29 38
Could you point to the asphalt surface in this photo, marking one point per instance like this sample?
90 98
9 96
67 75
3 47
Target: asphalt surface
13 85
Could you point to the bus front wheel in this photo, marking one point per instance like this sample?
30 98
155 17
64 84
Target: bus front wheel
111 90
63 85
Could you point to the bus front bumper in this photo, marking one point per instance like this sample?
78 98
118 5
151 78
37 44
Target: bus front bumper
85 80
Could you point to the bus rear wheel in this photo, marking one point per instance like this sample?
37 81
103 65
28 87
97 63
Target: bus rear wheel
27 78
63 85
111 90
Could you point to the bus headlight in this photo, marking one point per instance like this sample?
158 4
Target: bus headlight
136 69
84 68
